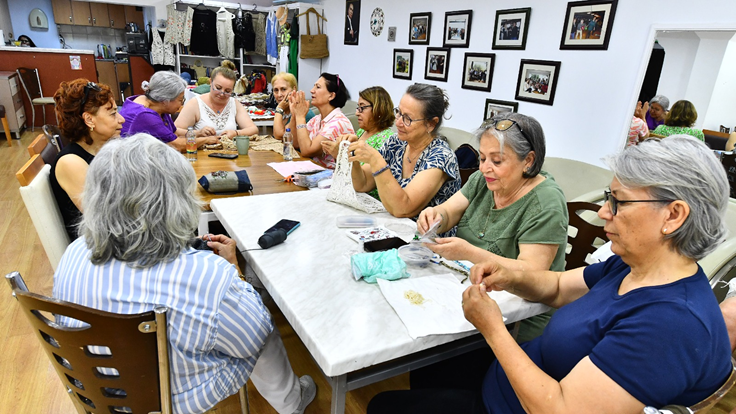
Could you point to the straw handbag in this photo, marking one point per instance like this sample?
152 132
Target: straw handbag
314 46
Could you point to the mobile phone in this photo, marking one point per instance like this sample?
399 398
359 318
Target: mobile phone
384 244
287 225
223 155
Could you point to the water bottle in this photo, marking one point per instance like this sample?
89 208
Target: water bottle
191 145
287 145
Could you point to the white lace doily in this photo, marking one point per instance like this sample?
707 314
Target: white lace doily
342 190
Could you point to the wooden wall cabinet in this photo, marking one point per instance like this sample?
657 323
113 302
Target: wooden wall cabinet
62 11
84 13
134 14
117 16
81 13
100 15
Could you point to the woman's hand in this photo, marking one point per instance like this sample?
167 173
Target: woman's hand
205 132
493 275
230 133
427 218
222 246
284 104
362 152
214 139
451 248
298 104
641 110
479 308
333 147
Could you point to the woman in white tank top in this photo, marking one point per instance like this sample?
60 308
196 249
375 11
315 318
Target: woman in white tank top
218 113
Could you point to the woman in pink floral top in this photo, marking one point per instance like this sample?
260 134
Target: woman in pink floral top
329 94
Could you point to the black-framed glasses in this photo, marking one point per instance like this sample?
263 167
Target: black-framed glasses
88 87
404 118
360 109
505 124
614 202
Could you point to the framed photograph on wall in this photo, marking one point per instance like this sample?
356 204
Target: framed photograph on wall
478 71
537 81
438 63
403 63
352 21
457 28
419 25
512 26
588 25
494 107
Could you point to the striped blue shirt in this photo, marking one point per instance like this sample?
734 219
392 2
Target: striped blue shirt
217 324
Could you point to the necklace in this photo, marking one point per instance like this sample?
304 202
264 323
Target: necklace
408 156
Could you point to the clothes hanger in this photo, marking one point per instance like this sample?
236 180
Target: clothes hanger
240 11
201 6
311 9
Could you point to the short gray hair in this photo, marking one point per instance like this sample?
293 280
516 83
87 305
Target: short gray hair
434 101
680 167
516 140
661 100
164 86
139 203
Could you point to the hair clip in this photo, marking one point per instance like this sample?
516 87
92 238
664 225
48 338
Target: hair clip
338 80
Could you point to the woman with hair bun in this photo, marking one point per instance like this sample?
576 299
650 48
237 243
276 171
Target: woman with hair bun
151 112
88 117
217 113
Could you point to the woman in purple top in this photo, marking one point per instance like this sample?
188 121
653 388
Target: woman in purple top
654 111
151 113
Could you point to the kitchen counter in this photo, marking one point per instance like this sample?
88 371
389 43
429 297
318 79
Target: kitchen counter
46 50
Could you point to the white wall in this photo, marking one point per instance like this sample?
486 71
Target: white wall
19 11
722 109
596 89
6 25
679 51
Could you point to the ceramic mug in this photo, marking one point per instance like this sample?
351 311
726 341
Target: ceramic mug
243 144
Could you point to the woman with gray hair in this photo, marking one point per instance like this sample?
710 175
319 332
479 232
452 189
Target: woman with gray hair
654 111
509 211
640 329
151 112
135 253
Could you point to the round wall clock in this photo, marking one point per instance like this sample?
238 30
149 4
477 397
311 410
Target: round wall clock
377 21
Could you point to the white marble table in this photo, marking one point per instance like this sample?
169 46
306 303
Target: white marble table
346 325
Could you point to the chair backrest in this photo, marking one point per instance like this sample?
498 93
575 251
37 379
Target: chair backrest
716 140
53 135
457 137
579 180
722 260
583 236
41 205
31 82
114 364
41 146
704 407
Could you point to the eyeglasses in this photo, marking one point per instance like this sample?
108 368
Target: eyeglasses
89 86
220 91
505 124
405 119
360 109
614 202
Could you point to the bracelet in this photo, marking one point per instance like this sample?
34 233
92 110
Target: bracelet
279 111
301 126
385 167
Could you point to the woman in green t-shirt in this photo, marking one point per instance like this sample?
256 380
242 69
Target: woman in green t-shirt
507 211
679 120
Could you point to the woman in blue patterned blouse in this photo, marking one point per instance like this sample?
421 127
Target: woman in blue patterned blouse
415 168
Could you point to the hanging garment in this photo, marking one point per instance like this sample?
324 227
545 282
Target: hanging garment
239 30
161 53
204 33
178 25
259 25
294 56
284 58
225 34
249 34
272 38
201 70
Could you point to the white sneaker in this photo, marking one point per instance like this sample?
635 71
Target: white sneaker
308 391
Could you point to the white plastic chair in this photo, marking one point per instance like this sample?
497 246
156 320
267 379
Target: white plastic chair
41 205
457 137
579 180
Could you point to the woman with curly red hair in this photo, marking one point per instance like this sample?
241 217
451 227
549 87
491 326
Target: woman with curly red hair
88 117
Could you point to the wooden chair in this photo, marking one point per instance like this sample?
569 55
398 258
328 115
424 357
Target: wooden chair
41 205
6 126
32 84
135 378
703 407
587 236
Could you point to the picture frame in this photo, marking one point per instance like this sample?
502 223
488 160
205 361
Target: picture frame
403 63
511 29
352 22
419 28
588 25
478 71
437 64
537 81
494 107
457 28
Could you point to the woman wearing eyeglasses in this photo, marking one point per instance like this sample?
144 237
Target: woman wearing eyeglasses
217 113
509 211
88 117
151 112
329 95
415 167
640 329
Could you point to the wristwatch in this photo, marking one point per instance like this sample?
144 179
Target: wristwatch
279 111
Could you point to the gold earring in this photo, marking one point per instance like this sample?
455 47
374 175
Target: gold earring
664 231
92 128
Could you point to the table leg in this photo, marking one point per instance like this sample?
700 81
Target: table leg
339 389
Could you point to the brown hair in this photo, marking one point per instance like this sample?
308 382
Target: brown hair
383 106
682 114
226 69
69 109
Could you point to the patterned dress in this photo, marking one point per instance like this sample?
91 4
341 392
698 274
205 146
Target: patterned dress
674 130
334 125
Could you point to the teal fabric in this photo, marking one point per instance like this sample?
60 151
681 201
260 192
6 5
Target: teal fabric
384 265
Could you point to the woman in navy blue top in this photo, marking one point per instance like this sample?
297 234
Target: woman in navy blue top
642 328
